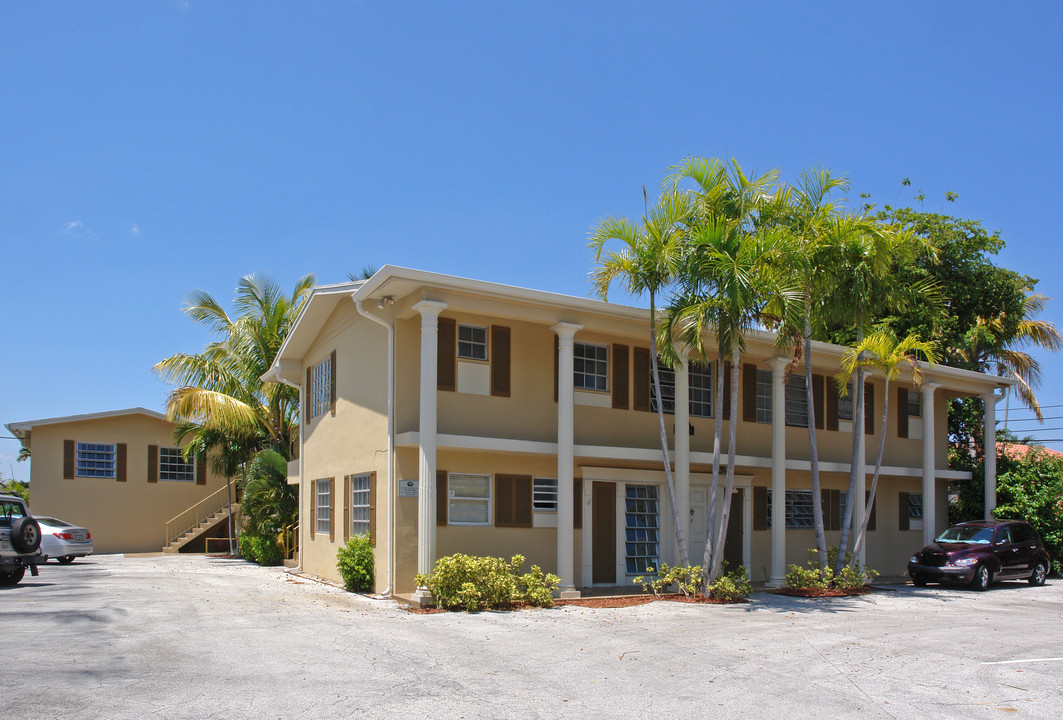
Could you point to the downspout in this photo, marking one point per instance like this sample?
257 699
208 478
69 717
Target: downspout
391 439
302 432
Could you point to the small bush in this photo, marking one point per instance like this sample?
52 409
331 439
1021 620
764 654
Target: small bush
247 546
813 577
733 586
355 563
266 550
475 583
687 579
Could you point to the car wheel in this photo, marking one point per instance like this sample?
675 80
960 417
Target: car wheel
1040 572
12 577
65 560
982 578
25 535
918 581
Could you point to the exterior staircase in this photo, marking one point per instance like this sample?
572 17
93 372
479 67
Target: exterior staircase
205 515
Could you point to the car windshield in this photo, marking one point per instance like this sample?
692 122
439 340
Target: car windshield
967 534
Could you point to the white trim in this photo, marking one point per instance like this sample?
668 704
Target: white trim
592 398
21 429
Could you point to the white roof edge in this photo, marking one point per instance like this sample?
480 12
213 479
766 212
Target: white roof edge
19 429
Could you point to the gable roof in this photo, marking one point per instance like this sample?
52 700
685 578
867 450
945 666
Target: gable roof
21 430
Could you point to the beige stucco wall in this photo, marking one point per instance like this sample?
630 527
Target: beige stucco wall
122 516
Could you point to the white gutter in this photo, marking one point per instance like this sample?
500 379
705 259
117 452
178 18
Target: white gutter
391 438
299 422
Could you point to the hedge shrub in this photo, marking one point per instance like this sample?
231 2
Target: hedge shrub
477 583
355 563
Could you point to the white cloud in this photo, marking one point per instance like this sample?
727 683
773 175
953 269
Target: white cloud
135 229
73 227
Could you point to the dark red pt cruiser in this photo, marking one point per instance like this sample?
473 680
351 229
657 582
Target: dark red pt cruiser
978 553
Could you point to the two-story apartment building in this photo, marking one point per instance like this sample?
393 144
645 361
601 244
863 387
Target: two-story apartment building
447 415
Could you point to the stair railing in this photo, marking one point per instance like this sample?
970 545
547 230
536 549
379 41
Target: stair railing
188 519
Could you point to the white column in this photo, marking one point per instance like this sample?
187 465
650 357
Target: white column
682 443
778 470
565 500
990 399
426 496
929 465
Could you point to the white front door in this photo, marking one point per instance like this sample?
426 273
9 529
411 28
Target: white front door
699 524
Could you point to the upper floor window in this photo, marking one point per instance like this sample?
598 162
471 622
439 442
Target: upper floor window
96 460
174 467
796 399
321 390
472 342
915 403
763 396
590 367
845 403
700 395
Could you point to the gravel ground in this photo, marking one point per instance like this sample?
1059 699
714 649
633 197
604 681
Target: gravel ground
199 637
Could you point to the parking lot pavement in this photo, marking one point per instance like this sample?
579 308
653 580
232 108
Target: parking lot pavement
199 637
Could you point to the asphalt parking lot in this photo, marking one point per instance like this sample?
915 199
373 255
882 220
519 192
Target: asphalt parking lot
199 637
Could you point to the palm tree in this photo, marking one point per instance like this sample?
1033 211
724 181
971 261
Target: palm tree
729 280
646 263
882 351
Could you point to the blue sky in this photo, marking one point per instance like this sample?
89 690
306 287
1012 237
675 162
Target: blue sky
154 147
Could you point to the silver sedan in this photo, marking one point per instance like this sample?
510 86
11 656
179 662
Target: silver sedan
63 541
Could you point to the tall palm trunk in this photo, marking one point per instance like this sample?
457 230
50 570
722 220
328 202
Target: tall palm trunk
717 437
858 543
732 438
859 425
813 449
680 535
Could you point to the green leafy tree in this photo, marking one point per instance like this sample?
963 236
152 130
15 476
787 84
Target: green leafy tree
1030 488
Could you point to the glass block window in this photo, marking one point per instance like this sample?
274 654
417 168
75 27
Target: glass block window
360 504
470 499
324 506
797 401
472 342
915 404
798 509
174 468
544 494
845 402
95 460
642 528
763 396
700 389
321 392
590 368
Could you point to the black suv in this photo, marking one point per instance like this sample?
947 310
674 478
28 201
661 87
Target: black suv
20 541
978 553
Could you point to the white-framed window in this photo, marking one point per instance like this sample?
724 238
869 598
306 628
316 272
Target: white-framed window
642 528
845 402
915 403
321 391
97 460
700 381
796 402
174 468
360 504
324 505
544 494
590 367
915 511
763 396
799 512
470 499
472 342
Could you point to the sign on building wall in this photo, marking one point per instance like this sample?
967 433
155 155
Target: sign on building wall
408 488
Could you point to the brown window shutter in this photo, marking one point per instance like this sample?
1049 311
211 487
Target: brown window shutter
640 366
874 506
726 391
835 509
346 508
557 366
621 377
201 469
120 462
503 501
332 508
332 384
68 459
902 511
308 395
817 399
577 503
749 392
832 406
760 508
153 463
869 409
902 412
522 501
500 361
313 508
447 355
442 497
372 509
